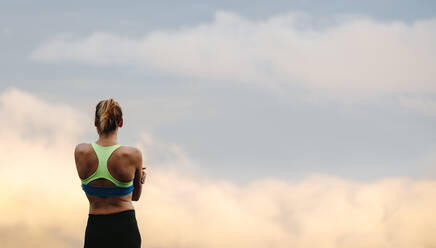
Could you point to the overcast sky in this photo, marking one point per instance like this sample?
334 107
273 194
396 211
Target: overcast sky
247 89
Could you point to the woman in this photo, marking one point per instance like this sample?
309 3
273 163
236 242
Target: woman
112 177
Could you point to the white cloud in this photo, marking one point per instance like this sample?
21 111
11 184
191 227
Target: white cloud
165 156
354 55
37 136
42 204
26 112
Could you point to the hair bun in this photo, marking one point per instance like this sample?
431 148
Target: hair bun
108 114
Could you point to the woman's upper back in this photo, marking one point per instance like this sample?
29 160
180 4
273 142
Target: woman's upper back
112 167
93 159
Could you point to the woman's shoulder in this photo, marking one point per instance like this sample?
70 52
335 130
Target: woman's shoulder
130 151
123 150
130 154
82 148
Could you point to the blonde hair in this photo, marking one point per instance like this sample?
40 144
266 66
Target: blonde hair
108 115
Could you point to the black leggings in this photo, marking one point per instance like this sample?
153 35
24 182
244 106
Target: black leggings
113 230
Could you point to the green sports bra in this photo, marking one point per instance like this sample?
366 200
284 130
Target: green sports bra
103 155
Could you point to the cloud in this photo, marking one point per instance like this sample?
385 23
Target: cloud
36 131
43 205
164 154
27 113
353 55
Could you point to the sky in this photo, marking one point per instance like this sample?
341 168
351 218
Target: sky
280 117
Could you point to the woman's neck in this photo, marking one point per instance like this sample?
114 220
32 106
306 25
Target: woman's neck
108 139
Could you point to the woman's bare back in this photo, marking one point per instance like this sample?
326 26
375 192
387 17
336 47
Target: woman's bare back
124 164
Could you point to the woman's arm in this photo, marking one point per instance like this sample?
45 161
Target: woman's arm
139 176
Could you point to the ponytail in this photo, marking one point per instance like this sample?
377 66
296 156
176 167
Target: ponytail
108 115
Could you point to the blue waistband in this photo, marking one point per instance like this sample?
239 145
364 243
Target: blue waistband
116 191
